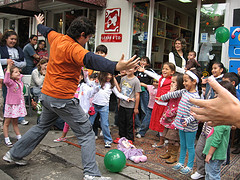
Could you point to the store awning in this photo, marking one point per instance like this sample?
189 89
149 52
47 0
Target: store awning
20 7
94 4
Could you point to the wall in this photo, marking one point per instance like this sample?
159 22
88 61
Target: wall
115 50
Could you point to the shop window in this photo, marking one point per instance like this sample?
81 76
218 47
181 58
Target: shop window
212 17
140 29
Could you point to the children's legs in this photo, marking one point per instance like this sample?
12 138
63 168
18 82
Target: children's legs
15 126
190 139
129 127
122 122
200 157
65 130
213 169
183 146
104 112
6 124
145 122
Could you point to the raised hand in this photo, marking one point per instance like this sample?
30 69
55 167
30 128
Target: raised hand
39 18
124 65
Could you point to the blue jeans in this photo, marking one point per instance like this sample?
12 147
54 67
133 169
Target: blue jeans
213 169
187 140
144 98
103 111
145 122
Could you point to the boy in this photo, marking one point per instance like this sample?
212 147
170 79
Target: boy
130 86
192 62
232 78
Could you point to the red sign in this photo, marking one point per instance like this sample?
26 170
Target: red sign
112 20
111 38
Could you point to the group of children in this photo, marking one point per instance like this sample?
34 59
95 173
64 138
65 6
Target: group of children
167 110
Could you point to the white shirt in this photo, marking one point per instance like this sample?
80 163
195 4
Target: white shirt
172 60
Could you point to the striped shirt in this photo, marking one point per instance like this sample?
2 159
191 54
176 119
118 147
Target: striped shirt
183 112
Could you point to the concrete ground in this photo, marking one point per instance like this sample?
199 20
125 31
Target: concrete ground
58 160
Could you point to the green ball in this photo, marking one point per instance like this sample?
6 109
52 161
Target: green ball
222 34
24 89
115 160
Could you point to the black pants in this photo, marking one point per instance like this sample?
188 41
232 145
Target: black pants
125 122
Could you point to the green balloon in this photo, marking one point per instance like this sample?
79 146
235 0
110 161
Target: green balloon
24 89
222 34
115 160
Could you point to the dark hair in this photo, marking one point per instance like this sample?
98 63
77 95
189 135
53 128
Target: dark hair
195 54
7 34
183 43
102 77
94 75
102 48
41 62
199 84
33 36
170 65
179 80
232 76
148 61
220 65
41 41
227 85
12 69
80 25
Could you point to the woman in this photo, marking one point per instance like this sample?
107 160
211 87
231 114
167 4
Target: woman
41 50
179 56
37 77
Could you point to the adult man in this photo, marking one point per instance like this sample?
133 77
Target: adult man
30 54
67 56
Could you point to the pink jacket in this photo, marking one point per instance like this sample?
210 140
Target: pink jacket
14 89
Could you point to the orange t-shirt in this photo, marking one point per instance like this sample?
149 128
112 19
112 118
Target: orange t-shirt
64 66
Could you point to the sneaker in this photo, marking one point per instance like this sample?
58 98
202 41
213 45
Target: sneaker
186 170
138 136
24 122
88 177
96 137
178 166
60 139
137 130
196 175
108 145
10 159
101 133
9 144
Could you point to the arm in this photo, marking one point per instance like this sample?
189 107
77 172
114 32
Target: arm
172 95
210 153
119 95
137 96
20 64
7 80
116 84
152 74
172 60
143 84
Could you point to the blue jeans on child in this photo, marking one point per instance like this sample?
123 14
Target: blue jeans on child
213 169
145 122
187 140
103 111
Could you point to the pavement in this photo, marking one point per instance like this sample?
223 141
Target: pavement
60 161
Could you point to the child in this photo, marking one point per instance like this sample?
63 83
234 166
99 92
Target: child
170 132
152 89
144 95
232 78
83 93
164 82
15 105
130 86
192 62
184 121
101 103
218 71
217 144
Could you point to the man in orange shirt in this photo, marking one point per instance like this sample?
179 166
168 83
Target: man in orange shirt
67 56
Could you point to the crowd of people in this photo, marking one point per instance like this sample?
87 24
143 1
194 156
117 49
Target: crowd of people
75 85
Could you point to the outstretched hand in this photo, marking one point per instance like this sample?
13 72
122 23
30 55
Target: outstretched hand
39 18
223 110
124 65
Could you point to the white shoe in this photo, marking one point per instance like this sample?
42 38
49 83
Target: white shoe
196 175
10 159
88 177
108 144
24 122
101 133
138 136
96 137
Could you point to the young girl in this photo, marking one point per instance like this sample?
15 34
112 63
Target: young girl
218 71
152 89
184 121
84 93
170 132
101 103
15 105
164 82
